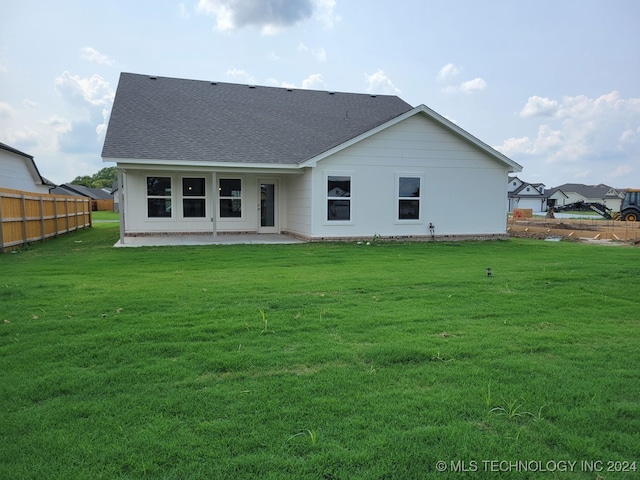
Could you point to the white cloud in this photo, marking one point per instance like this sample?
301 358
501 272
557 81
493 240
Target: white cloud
448 71
475 85
380 83
539 107
94 56
240 76
314 82
6 110
3 68
621 171
184 13
596 136
318 53
325 12
30 103
93 91
271 16
95 96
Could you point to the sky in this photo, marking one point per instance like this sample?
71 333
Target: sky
552 84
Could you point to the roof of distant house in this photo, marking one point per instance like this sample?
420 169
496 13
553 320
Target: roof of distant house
587 191
81 190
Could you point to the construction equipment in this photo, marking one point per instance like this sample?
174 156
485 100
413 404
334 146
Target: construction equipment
630 210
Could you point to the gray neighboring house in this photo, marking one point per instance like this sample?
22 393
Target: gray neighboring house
95 194
577 192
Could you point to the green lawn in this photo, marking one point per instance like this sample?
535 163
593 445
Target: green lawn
319 361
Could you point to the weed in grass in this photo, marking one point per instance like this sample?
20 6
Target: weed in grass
487 396
510 409
264 322
313 436
440 358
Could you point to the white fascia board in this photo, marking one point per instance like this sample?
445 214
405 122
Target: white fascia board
147 164
423 109
33 170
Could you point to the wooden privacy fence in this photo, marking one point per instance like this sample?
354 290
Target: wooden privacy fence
29 217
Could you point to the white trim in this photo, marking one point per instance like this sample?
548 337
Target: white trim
419 220
325 198
184 165
243 204
171 197
276 206
204 197
421 109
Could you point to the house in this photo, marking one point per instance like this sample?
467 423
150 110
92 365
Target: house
526 195
209 157
101 200
576 192
113 191
18 171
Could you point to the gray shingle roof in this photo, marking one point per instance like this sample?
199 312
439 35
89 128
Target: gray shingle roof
587 191
81 190
192 120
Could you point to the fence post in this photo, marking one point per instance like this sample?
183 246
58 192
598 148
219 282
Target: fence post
55 215
42 232
66 213
1 225
24 218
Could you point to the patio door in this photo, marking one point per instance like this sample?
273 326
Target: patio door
268 206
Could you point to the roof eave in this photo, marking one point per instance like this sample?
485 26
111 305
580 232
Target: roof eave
163 164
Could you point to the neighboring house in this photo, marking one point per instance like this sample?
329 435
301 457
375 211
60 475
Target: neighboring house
208 157
526 195
576 192
100 199
18 171
115 194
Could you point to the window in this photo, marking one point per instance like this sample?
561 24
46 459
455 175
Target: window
158 197
193 198
338 198
230 193
408 198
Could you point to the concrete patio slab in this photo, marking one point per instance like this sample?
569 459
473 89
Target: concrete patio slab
229 239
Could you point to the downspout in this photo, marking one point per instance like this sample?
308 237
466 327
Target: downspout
121 206
214 210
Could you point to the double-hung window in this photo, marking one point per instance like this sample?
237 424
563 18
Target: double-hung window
409 198
158 197
338 198
193 198
230 197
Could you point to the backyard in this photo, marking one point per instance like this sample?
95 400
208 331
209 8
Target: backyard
319 361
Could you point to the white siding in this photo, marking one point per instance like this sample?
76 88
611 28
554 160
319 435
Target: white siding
463 192
297 203
535 204
15 174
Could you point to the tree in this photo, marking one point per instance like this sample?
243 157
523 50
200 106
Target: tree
103 179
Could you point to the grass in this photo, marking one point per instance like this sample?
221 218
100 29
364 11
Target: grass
320 361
